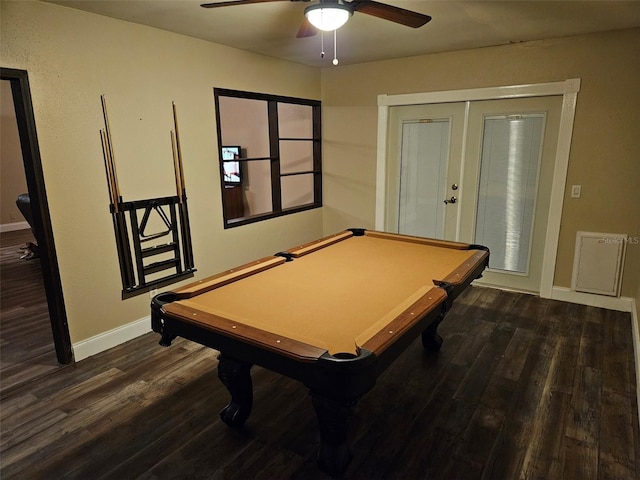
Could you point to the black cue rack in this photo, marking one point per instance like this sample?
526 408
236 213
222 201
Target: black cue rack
158 252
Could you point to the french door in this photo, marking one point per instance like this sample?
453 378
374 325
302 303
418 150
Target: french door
478 172
426 141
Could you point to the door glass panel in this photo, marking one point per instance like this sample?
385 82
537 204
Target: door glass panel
423 165
509 170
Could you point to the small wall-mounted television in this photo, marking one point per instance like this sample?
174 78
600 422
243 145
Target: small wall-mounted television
232 168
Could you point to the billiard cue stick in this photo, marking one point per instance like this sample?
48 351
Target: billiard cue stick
110 149
107 167
176 168
119 220
185 228
180 172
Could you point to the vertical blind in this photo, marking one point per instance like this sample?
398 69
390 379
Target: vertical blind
509 170
423 173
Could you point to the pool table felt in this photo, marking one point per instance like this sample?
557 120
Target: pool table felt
318 298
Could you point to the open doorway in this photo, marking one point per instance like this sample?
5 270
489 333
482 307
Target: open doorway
41 222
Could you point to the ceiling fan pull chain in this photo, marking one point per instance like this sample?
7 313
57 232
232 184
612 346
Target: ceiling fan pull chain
321 44
335 47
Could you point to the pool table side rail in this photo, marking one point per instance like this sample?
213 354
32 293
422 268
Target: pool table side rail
257 337
316 245
420 240
467 271
417 317
219 280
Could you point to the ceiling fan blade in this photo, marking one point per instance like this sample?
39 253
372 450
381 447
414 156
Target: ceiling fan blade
391 13
229 3
306 29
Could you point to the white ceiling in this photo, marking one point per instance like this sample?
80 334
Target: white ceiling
270 28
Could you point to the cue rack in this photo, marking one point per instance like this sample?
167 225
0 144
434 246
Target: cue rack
158 252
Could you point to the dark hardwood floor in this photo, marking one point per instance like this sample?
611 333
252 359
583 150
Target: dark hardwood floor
523 388
26 342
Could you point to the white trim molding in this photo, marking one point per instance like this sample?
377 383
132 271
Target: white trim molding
12 227
568 89
104 341
621 304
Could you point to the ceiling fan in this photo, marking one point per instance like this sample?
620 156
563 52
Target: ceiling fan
328 15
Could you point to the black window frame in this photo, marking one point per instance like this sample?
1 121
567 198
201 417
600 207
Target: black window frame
274 154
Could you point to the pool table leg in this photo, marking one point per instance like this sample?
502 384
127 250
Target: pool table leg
431 341
333 421
236 376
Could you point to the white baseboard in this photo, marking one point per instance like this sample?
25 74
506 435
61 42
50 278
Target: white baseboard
11 227
621 304
112 338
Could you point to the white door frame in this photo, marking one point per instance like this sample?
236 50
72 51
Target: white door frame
568 89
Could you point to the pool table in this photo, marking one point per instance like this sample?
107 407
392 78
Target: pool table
332 314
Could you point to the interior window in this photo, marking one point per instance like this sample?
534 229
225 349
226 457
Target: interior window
270 155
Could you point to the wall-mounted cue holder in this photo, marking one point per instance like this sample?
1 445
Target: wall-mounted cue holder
158 252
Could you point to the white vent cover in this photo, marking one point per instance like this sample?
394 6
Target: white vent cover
598 261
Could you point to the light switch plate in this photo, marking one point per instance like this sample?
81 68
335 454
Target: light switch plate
576 190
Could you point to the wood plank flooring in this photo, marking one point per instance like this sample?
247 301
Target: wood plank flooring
523 388
26 342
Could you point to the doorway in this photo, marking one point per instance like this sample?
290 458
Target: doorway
472 135
43 231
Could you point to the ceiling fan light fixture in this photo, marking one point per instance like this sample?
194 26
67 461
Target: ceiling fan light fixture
327 16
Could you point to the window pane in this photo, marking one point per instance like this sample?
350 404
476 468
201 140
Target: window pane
296 156
297 190
244 122
508 186
257 192
295 121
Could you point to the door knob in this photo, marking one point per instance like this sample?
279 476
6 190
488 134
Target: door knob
451 200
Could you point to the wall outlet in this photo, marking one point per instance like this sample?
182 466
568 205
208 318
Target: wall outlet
576 190
153 292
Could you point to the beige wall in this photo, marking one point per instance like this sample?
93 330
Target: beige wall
11 168
605 153
72 58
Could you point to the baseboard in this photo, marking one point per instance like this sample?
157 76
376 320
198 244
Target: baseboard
112 338
621 304
11 227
